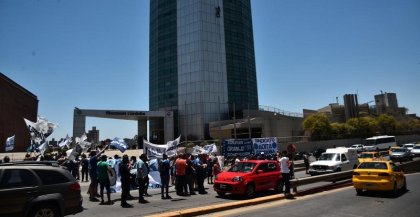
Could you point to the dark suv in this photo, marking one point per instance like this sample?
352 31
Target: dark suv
30 189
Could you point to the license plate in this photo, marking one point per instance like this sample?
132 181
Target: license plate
222 186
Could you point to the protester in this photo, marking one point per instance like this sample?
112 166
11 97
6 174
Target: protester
306 162
125 181
209 170
201 174
85 168
103 178
284 168
216 167
190 174
180 169
141 176
164 170
146 181
93 164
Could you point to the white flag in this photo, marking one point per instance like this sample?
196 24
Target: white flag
172 146
119 144
42 148
66 142
10 143
71 154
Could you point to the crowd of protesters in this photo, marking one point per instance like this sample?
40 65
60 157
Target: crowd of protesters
186 172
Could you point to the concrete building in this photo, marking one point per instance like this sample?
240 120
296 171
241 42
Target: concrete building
202 63
16 103
93 135
260 123
386 103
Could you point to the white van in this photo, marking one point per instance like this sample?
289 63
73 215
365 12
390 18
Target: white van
378 143
335 160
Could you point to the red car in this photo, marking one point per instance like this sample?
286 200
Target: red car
248 177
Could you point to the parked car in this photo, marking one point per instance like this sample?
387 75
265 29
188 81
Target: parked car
358 147
248 177
379 176
368 156
415 151
400 154
38 189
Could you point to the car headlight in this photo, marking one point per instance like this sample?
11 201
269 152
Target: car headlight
237 179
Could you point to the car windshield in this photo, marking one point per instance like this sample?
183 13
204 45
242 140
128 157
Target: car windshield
355 146
373 165
244 167
408 146
417 147
399 150
329 156
366 155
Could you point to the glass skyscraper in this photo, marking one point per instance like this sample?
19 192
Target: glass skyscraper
202 63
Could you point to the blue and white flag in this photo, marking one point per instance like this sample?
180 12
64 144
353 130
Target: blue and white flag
66 142
42 148
10 143
209 149
119 144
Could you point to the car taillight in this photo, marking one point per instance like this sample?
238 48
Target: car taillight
383 174
356 174
74 187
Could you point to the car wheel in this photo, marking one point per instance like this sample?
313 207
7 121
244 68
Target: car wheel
404 187
250 191
221 194
394 192
44 210
279 187
359 191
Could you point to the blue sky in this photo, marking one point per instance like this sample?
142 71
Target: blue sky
94 54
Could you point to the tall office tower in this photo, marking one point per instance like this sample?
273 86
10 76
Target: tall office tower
386 103
202 63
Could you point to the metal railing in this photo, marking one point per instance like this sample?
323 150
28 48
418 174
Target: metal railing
326 177
279 111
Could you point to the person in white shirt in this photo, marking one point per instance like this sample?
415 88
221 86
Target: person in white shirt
285 171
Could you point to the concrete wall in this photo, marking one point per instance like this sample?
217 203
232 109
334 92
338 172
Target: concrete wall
311 146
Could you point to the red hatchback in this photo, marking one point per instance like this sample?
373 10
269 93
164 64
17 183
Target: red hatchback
248 177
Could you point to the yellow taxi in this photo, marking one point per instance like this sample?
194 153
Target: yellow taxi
379 175
368 156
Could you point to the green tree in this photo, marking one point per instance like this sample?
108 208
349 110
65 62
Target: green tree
386 124
319 126
362 127
339 130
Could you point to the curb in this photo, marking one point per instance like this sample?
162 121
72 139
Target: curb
219 207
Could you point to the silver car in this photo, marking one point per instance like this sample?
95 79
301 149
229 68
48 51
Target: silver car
416 151
401 154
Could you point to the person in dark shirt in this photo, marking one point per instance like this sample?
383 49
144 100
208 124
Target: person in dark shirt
85 168
125 181
164 170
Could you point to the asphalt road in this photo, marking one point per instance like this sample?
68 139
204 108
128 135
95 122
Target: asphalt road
341 203
157 205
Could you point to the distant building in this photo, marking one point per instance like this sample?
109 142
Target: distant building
93 135
386 103
16 103
260 123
